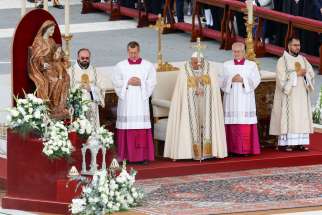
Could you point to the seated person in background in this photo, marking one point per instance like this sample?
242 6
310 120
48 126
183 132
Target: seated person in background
128 3
56 4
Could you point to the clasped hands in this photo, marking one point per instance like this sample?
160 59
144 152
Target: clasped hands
237 78
134 81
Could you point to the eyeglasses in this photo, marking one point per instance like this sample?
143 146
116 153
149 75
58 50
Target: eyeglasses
84 58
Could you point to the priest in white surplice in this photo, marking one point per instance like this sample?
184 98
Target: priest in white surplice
195 127
84 75
238 82
134 80
291 117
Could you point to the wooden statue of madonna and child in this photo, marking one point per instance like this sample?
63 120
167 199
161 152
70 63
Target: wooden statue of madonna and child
48 70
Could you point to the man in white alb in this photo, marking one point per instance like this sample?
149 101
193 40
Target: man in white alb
134 80
238 82
291 118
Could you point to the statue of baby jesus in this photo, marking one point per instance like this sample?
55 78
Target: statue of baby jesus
59 82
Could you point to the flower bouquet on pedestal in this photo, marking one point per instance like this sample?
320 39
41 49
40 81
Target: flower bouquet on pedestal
56 142
82 127
105 137
107 192
28 116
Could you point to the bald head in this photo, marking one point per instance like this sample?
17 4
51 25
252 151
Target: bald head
238 49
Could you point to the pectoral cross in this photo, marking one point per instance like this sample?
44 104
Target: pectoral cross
199 47
159 27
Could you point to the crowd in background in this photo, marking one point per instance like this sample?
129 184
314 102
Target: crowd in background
273 32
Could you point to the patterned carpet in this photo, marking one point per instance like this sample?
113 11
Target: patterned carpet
220 193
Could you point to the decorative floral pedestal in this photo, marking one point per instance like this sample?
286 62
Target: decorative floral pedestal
32 178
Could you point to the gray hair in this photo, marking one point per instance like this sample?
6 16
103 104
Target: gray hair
238 45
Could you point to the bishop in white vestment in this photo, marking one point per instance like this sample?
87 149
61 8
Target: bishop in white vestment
134 80
291 118
195 128
238 82
84 75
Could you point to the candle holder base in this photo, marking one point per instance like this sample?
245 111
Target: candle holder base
67 39
166 67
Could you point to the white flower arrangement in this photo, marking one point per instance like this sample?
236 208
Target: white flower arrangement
28 115
31 115
56 142
82 126
107 193
317 112
78 101
105 137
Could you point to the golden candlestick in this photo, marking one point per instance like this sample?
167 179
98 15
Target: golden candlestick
159 26
249 41
250 52
67 39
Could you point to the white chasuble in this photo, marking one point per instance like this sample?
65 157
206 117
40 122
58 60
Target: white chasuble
239 98
291 117
133 101
195 124
96 94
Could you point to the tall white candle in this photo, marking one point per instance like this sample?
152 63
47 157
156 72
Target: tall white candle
249 4
66 17
46 5
23 7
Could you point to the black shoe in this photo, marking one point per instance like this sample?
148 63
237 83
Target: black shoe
303 148
145 162
40 6
289 149
59 6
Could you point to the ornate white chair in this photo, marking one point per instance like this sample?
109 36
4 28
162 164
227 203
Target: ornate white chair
161 100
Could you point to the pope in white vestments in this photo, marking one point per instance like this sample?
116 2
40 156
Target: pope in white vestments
291 118
134 80
238 82
195 128
84 75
